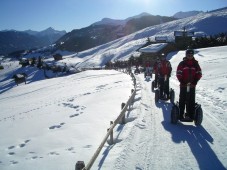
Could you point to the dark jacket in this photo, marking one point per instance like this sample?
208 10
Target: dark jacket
189 71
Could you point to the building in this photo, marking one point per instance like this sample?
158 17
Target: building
57 57
151 52
183 39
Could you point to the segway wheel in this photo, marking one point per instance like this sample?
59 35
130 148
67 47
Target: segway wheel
198 115
152 85
175 114
172 95
156 96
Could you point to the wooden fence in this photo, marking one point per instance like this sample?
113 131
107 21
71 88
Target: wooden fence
120 120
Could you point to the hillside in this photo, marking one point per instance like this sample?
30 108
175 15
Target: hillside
107 30
123 48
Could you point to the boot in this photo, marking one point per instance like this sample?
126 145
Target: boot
181 115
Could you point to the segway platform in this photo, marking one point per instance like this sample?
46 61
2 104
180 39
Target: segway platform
165 98
197 118
186 119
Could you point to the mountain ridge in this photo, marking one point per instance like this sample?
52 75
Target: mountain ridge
106 25
12 40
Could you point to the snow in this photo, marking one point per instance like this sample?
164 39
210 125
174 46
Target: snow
53 123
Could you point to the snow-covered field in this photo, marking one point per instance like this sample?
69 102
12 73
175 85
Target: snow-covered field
53 123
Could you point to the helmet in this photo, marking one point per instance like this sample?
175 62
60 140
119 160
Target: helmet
189 51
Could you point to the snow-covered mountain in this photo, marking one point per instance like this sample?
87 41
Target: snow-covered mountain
181 14
107 30
121 49
109 21
47 32
11 40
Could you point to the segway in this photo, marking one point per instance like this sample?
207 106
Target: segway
148 74
154 84
137 71
165 97
197 117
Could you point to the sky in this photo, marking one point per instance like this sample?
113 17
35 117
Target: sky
75 14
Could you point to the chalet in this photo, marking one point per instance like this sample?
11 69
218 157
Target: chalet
57 57
151 52
161 39
183 38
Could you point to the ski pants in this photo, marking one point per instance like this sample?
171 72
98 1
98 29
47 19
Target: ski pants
188 99
156 80
164 86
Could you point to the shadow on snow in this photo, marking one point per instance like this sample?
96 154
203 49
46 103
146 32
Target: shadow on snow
197 137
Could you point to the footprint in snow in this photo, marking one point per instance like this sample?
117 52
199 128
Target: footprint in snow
11 153
57 126
53 153
74 115
14 162
11 147
22 145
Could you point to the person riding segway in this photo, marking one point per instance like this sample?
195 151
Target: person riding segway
164 73
154 83
137 71
147 73
188 74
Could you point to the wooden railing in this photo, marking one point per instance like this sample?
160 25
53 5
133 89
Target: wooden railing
119 120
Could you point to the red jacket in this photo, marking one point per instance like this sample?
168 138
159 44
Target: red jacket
189 71
148 64
164 68
155 67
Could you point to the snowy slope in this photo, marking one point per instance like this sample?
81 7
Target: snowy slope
53 123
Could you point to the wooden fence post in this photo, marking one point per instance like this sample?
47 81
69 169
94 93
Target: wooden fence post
123 117
79 165
111 134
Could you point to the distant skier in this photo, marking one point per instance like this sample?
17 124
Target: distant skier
188 73
164 72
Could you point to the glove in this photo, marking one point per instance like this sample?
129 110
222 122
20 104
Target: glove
195 82
180 81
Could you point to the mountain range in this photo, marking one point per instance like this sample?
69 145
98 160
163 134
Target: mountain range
77 40
108 30
12 40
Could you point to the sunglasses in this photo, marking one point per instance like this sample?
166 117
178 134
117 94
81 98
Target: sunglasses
189 55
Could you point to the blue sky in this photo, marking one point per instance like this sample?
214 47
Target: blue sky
67 15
